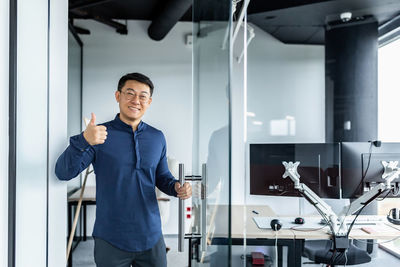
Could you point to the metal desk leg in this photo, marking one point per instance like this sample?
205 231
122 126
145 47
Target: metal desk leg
69 217
290 254
197 249
279 259
298 251
84 221
70 206
190 252
370 245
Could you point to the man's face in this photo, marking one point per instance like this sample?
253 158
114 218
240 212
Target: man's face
134 99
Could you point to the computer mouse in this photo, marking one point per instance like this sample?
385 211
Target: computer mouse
299 220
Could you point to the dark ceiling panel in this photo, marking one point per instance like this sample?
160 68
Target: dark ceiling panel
167 18
306 23
80 4
317 38
299 35
124 9
258 6
291 21
211 10
298 12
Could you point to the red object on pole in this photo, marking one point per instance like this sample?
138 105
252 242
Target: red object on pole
257 258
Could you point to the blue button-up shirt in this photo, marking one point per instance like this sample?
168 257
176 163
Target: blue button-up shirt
128 166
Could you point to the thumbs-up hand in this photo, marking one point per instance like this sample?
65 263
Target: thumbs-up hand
94 134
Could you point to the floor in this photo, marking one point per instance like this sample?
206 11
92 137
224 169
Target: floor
382 259
83 256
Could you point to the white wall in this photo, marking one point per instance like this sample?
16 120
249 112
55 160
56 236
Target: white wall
109 55
4 52
283 80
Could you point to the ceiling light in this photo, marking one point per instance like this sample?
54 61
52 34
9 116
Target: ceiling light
345 16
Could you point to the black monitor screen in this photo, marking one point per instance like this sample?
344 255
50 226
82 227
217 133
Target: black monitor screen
364 159
318 169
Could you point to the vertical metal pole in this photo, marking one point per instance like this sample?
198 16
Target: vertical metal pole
12 135
204 207
181 225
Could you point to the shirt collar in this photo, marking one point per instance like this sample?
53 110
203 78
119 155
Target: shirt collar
127 127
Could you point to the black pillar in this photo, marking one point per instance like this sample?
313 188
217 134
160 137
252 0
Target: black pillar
351 82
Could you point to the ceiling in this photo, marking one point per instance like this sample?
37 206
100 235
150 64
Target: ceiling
120 9
306 24
291 21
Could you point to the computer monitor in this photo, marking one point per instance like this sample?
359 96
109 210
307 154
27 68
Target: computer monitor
318 169
364 159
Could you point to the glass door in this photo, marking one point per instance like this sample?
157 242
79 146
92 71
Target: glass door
211 133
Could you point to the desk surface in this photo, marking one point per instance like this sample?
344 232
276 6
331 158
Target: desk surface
88 195
383 230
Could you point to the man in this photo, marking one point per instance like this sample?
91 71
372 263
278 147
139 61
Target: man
129 159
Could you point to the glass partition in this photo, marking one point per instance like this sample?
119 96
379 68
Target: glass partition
74 95
312 77
74 125
211 109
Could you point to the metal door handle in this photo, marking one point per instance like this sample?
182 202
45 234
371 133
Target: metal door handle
204 208
181 224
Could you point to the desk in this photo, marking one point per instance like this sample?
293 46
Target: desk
292 239
89 198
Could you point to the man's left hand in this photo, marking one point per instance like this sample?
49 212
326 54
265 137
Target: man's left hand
183 192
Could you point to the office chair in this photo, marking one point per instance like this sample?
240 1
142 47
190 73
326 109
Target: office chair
320 251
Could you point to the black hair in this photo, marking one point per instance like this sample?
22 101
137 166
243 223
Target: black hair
136 77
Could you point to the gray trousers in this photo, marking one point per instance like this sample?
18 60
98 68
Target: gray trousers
106 255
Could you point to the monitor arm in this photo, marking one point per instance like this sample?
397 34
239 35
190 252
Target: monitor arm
391 172
337 223
323 208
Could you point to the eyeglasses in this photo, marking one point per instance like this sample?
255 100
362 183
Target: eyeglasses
129 95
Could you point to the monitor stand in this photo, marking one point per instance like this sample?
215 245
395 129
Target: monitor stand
338 227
